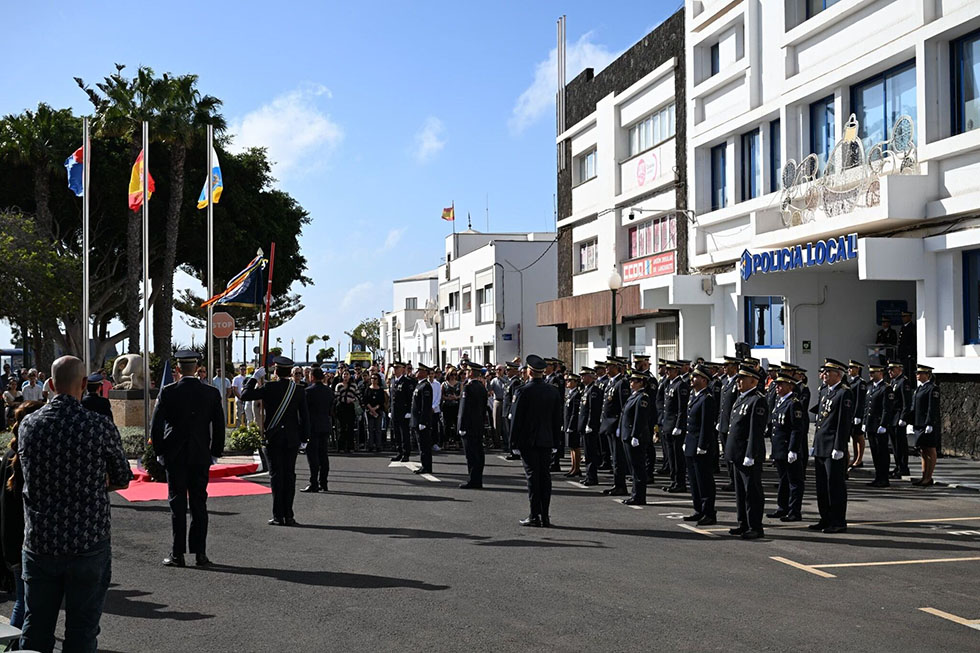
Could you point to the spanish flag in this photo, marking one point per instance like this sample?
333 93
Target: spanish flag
449 214
136 185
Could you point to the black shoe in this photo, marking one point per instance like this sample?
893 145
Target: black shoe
512 457
819 526
832 530
667 488
554 468
663 470
605 467
404 459
791 518
201 560
707 521
310 488
617 492
738 530
470 486
275 522
677 489
545 521
727 488
289 521
590 482
531 520
694 517
174 560
634 502
397 458
752 535
422 470
776 515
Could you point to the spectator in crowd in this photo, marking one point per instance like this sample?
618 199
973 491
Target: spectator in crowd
347 397
32 389
71 459
12 397
498 392
298 377
106 385
374 408
93 401
450 405
47 388
6 375
202 374
237 384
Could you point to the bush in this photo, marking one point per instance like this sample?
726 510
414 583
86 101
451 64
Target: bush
246 439
133 441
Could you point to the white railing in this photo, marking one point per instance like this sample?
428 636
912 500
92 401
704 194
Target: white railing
486 313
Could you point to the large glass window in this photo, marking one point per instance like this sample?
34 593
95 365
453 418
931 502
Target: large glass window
719 188
775 156
715 59
965 58
581 349
878 102
764 322
751 165
587 258
822 129
653 237
655 128
586 167
411 303
814 7
971 296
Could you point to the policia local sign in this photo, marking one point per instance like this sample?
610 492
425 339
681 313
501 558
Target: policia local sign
822 252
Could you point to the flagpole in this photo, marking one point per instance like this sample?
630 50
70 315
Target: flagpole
146 278
86 308
209 335
268 306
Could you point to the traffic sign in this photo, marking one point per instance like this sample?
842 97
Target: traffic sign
222 325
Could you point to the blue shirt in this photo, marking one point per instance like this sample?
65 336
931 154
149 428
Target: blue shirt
67 453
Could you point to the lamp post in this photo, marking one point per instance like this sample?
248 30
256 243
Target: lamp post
615 283
436 319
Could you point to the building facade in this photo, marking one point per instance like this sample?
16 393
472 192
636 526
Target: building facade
405 332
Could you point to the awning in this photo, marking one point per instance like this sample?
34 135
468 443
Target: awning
594 309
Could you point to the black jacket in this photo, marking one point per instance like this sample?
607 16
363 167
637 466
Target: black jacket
537 416
675 405
472 409
401 396
886 337
787 428
926 408
188 425
729 391
635 419
11 513
859 390
101 405
747 429
834 421
422 405
700 427
874 407
906 341
294 427
613 400
590 409
898 402
572 401
319 404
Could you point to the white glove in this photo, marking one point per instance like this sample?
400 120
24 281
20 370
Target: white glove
516 452
718 426
214 460
748 462
677 432
857 420
421 427
882 430
160 460
812 450
836 454
684 448
588 429
909 429
864 428
408 416
901 422
791 457
634 442
701 451
928 429
554 451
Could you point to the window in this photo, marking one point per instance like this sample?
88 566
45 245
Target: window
715 59
581 349
751 165
638 340
971 297
586 167
450 318
814 7
878 102
667 341
411 303
655 128
653 237
718 186
587 257
484 300
775 156
965 58
467 299
764 322
822 129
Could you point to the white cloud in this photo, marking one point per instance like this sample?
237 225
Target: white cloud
356 295
392 239
538 99
429 139
292 127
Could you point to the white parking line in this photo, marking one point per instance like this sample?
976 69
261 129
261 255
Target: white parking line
620 502
695 529
577 484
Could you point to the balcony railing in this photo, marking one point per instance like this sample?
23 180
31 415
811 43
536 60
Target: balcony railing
450 320
486 313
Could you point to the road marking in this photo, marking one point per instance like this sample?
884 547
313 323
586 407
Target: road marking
895 562
577 484
414 466
699 531
969 623
873 523
799 565
430 477
619 501
504 458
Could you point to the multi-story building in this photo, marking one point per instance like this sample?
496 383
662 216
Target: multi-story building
405 332
622 202
834 153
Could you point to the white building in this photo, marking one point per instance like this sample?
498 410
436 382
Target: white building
405 333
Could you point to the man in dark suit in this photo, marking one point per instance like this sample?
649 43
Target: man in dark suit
512 389
421 417
898 408
615 396
886 334
641 363
589 416
402 388
601 381
319 403
873 424
634 432
658 400
287 423
833 427
701 447
745 448
472 408
789 439
188 432
907 348
93 400
729 392
674 426
536 431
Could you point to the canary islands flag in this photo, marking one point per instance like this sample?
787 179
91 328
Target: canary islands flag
75 167
136 185
216 184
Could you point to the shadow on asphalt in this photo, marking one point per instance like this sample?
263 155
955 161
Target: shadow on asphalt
124 604
398 533
403 497
553 544
166 508
325 578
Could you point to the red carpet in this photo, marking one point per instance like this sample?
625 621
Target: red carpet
227 486
217 471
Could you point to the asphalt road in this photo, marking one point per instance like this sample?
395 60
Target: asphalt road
390 561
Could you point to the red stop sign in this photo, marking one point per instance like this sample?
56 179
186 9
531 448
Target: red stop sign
222 325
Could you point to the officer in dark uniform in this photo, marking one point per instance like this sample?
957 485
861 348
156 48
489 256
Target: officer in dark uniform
789 440
616 394
729 392
701 447
907 349
287 423
833 428
745 448
573 437
512 377
802 391
188 432
886 334
319 403
634 432
536 431
92 400
859 388
469 423
925 423
589 416
674 425
512 389
402 388
873 424
602 380
421 417
641 363
658 401
898 409
773 372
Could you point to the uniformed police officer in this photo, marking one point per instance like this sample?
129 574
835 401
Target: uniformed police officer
513 387
745 448
614 398
658 401
701 447
898 409
641 363
536 431
601 381
402 387
833 428
92 400
188 431
589 416
907 349
925 423
421 417
873 424
729 392
789 440
320 405
675 424
635 434
287 424
773 372
859 388
573 437
472 409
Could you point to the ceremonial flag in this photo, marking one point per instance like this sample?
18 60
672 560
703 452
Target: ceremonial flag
216 184
245 288
136 185
449 214
75 166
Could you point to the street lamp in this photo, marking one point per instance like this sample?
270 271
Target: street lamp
615 283
436 319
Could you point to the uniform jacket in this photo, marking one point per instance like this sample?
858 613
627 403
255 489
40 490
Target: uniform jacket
319 404
573 399
650 390
874 407
906 340
509 398
401 396
101 405
859 390
537 416
188 425
675 405
294 427
747 428
834 421
787 427
771 395
472 408
898 402
729 392
660 399
422 404
886 337
615 396
634 422
803 394
590 409
700 430
926 408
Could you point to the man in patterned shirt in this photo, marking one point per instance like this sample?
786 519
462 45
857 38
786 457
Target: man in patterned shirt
72 458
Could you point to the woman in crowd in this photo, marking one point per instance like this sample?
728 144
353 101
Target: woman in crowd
374 408
12 397
347 398
450 405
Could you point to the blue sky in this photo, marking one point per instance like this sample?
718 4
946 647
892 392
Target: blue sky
377 114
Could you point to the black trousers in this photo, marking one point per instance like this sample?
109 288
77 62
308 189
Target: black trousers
900 448
188 484
319 459
424 438
282 474
537 461
450 413
618 461
346 418
402 434
731 467
789 496
665 448
636 458
701 471
831 490
604 452
475 458
678 466
750 500
651 456
593 456
878 442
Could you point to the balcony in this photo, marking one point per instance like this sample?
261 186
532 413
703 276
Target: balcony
486 313
450 320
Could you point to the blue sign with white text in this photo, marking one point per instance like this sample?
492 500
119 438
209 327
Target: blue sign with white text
822 252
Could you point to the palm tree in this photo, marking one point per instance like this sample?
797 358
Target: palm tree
309 341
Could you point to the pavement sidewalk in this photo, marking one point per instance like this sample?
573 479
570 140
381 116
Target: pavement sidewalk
954 472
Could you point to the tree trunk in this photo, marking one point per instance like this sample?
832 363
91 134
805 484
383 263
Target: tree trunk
163 308
42 201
